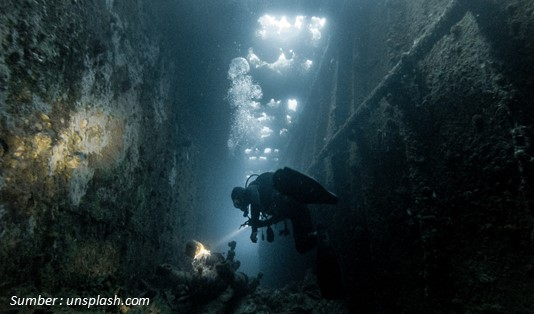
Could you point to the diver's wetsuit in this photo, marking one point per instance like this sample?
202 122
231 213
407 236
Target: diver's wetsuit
264 198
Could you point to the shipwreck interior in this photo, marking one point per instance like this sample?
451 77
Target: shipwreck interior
124 126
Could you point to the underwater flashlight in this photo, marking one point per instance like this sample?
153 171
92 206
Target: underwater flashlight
196 250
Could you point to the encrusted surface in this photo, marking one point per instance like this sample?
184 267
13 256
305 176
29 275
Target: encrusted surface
87 132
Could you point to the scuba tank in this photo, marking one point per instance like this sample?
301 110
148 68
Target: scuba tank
252 175
301 187
245 211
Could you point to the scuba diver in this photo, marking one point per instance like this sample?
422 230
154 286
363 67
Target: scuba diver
284 194
212 280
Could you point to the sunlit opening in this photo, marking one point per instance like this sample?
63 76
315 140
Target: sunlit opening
299 21
255 105
282 63
315 27
266 132
282 28
254 59
264 117
292 104
307 65
278 26
317 22
273 103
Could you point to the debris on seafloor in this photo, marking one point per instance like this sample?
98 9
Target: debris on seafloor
298 297
213 285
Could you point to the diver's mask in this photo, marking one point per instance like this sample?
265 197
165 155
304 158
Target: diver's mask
239 203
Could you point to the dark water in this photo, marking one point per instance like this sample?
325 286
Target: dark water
260 59
124 126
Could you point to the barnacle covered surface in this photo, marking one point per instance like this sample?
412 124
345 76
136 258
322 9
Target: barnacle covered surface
84 110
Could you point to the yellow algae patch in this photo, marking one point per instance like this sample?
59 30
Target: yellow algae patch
94 139
41 145
91 133
64 159
83 124
25 169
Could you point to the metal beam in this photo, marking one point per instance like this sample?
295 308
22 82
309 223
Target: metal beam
451 16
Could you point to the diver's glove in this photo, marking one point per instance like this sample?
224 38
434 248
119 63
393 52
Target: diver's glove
245 224
254 236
